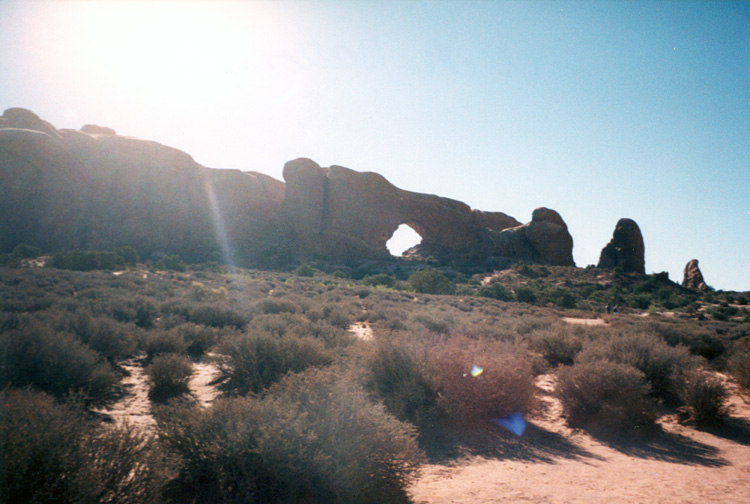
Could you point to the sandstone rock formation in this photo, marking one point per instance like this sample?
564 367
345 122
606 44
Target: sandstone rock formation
341 213
91 188
66 189
692 277
625 249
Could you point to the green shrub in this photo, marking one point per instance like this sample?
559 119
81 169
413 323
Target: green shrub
305 271
381 279
168 376
705 395
606 397
57 363
312 436
258 360
526 295
495 290
50 452
103 335
431 281
26 251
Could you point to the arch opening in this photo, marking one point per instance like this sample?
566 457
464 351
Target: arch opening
402 240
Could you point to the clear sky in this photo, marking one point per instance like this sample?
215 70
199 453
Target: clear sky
599 110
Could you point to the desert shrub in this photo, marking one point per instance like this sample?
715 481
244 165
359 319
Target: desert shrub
395 372
103 335
738 364
431 281
697 339
141 311
168 376
50 452
198 338
305 270
526 295
504 386
606 397
217 315
256 361
381 279
705 395
57 363
556 346
312 436
437 324
159 341
26 251
169 262
273 306
661 364
495 290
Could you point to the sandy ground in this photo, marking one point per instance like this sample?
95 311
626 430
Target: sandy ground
551 463
586 321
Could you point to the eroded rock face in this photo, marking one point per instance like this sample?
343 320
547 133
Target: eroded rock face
625 249
341 213
67 189
692 277
93 189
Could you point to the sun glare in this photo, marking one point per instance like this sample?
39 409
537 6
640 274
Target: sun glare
172 54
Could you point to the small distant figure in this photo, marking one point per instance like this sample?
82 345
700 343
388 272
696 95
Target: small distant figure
616 309
608 308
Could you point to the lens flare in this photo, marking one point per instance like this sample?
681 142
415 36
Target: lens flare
476 371
514 423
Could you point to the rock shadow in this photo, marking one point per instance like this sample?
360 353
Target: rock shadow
447 443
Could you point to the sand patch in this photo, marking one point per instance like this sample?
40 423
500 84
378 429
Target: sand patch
362 330
585 321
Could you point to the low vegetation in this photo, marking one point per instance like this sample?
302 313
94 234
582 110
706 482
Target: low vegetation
307 410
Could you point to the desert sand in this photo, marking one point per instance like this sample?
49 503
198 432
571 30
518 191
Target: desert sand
551 463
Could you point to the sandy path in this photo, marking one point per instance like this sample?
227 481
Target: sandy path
586 321
682 465
135 407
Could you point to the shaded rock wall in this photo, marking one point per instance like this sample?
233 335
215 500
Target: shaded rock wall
66 189
91 188
341 213
625 249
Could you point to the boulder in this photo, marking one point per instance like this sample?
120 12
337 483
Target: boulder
625 249
692 277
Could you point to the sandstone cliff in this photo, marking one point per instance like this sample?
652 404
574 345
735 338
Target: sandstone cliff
91 188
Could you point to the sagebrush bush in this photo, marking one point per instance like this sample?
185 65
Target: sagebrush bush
55 362
217 315
107 337
168 376
256 361
50 452
705 396
661 364
556 346
504 386
314 435
396 373
606 397
738 365
159 341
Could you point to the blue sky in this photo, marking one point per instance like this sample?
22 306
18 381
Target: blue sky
600 110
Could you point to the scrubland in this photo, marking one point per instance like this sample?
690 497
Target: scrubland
309 412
